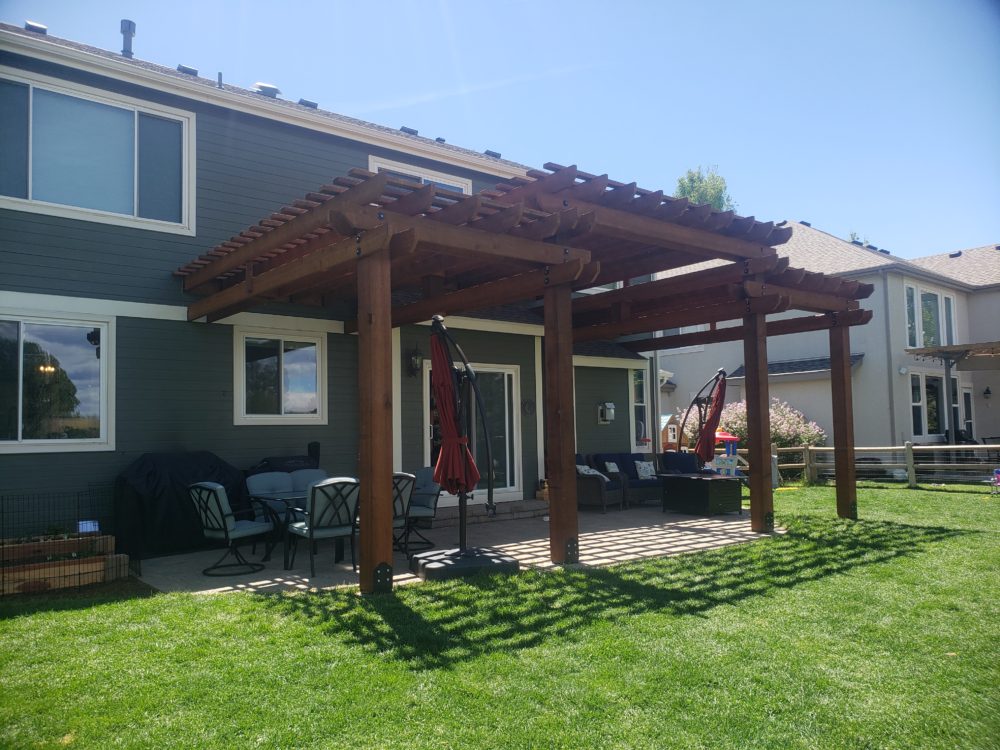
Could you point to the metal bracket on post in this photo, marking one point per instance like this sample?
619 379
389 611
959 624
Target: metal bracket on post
572 550
382 583
854 511
769 521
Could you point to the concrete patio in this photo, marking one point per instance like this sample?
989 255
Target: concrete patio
605 539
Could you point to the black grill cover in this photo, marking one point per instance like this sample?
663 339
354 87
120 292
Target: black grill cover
153 513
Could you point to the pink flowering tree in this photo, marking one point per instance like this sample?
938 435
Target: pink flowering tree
789 426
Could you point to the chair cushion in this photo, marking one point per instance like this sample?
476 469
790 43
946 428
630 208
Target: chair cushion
645 469
242 529
302 478
301 528
420 511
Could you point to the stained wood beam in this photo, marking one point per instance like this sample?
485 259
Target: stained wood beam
625 308
708 277
801 300
375 424
460 240
758 422
736 333
560 427
504 291
415 202
843 422
347 250
502 221
564 178
459 212
301 225
641 263
707 314
624 225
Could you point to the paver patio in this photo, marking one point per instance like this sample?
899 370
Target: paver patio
605 539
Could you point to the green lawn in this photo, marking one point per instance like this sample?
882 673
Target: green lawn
881 633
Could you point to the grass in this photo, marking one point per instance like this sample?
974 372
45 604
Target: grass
881 633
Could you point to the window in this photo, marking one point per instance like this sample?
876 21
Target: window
70 152
425 176
640 413
280 378
935 324
927 401
54 385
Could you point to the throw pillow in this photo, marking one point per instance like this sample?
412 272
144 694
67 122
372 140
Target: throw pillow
645 470
611 467
588 471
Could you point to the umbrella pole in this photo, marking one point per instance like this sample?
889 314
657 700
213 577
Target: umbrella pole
463 495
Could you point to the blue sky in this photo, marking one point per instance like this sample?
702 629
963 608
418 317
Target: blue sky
878 117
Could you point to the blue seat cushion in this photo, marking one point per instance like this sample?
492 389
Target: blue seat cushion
420 511
241 530
645 483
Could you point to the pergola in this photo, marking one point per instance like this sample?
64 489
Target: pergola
365 237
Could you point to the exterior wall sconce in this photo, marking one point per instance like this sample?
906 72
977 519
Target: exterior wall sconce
987 393
414 362
605 413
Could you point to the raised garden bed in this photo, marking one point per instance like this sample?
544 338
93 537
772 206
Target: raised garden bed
55 562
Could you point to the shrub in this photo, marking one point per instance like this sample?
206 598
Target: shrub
789 426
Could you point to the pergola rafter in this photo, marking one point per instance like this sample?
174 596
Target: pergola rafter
363 237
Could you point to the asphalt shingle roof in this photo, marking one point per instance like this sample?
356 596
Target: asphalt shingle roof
978 266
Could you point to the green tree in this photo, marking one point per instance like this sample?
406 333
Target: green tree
705 186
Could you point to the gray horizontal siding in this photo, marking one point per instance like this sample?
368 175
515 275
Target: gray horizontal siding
247 168
175 393
595 385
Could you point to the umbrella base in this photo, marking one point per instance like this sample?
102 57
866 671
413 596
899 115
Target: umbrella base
439 565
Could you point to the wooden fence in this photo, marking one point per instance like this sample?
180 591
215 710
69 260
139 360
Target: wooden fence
908 462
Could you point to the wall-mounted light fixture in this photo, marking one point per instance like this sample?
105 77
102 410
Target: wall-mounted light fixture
605 413
903 370
987 393
414 362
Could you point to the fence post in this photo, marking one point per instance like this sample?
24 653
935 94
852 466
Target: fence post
911 469
807 460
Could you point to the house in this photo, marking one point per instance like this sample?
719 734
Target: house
941 300
191 265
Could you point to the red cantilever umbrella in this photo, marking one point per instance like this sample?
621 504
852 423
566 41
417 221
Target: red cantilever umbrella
705 447
456 469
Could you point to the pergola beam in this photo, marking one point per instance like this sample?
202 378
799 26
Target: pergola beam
301 225
736 333
707 314
347 251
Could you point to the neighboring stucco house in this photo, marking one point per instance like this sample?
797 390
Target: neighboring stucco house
113 173
943 299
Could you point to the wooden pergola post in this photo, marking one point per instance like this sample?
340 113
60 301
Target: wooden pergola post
375 422
560 426
758 422
843 422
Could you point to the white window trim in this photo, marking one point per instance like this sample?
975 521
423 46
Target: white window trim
503 494
648 448
240 417
188 157
377 162
961 387
107 440
918 291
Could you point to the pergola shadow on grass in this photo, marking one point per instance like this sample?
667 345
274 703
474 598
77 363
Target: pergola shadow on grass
72 599
435 626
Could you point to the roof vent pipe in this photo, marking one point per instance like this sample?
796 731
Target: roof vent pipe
128 31
38 28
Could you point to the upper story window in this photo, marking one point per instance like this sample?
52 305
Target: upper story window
280 377
55 384
71 151
930 318
425 176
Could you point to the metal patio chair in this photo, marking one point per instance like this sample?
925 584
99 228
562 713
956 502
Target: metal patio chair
402 492
218 523
423 505
331 512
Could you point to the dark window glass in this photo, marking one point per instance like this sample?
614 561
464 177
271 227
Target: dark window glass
931 318
949 322
61 382
13 139
9 356
263 388
935 406
918 420
160 168
911 317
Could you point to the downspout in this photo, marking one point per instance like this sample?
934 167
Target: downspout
890 369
